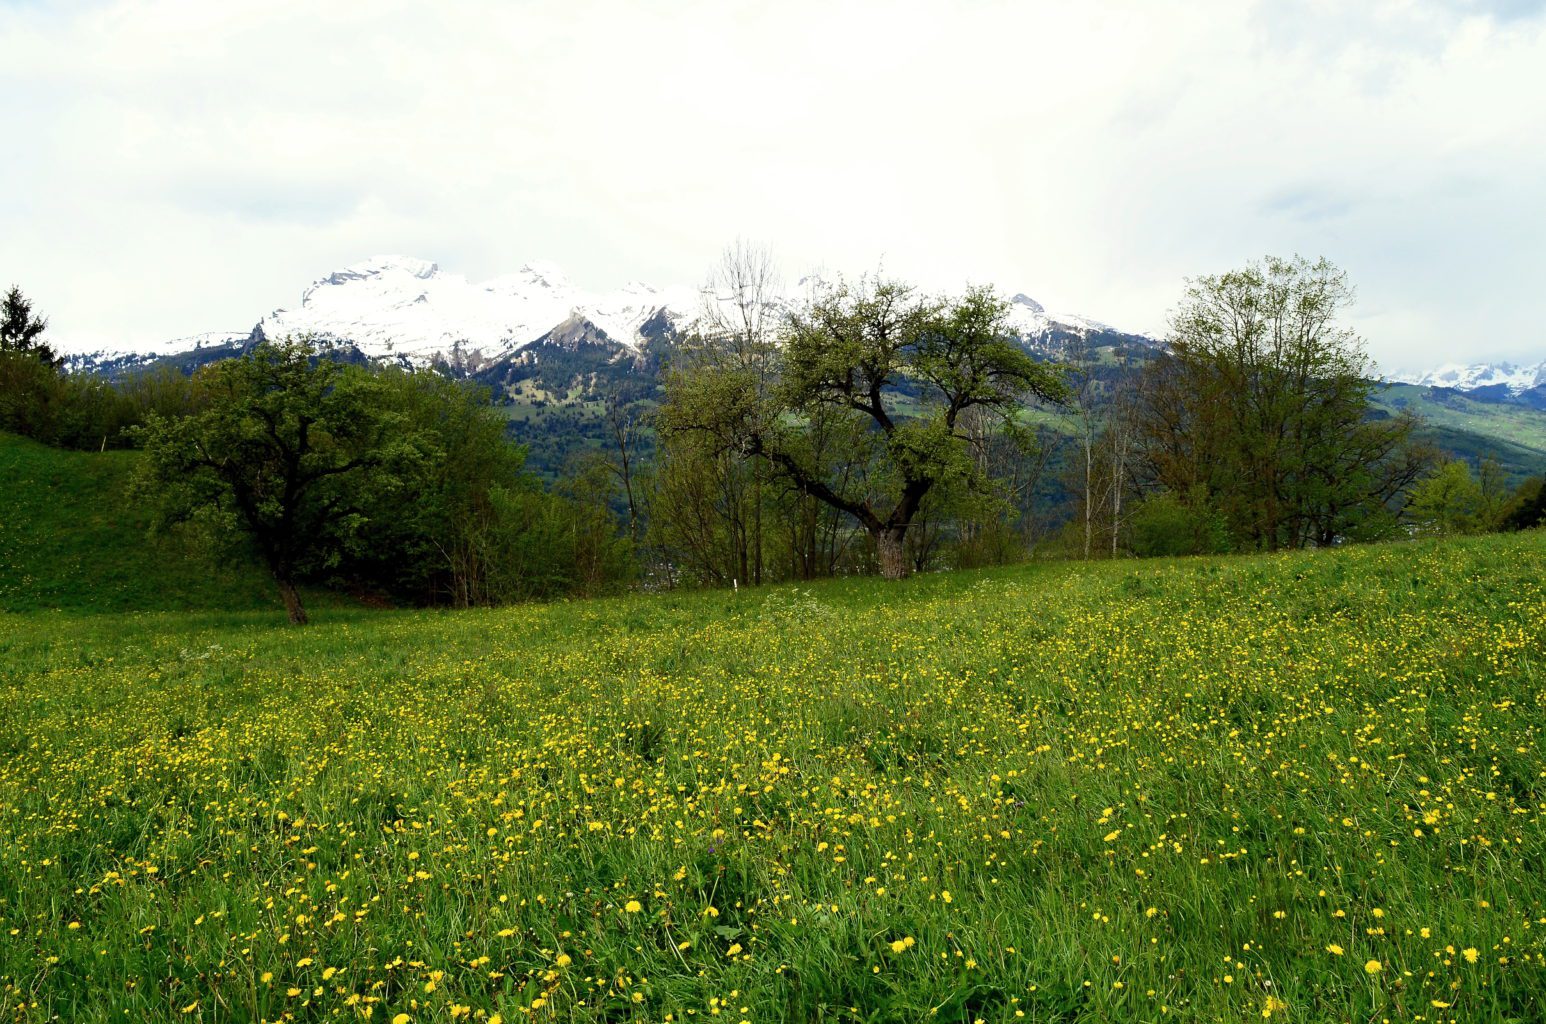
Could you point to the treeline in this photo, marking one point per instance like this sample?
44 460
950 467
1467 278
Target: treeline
867 428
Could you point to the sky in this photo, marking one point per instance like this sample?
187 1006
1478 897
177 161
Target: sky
175 168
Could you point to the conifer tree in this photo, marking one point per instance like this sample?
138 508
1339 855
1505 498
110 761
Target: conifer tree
20 329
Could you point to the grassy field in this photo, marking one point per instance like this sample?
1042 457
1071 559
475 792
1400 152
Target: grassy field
1296 788
71 538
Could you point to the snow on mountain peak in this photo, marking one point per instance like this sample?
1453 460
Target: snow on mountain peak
1022 299
544 273
395 306
408 307
1515 377
379 266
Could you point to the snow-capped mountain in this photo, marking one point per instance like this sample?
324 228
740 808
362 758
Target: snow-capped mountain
409 309
1033 323
401 306
1515 378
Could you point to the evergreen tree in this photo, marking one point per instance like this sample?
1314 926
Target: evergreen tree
20 329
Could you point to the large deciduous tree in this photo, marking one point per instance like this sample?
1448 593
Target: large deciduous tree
295 449
1262 409
901 371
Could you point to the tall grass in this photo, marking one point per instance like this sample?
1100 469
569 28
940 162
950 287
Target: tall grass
1303 787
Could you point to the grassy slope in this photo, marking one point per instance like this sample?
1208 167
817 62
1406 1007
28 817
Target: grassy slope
1471 430
1515 424
70 538
1128 791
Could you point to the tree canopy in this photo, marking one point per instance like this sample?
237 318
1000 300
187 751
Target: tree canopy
898 371
293 448
21 329
1262 409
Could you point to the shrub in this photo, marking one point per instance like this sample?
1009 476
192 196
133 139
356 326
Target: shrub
1165 525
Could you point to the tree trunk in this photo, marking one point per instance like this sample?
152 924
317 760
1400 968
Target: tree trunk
756 520
1089 497
889 548
1116 501
293 606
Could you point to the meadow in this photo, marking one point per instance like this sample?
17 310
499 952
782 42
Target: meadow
1289 788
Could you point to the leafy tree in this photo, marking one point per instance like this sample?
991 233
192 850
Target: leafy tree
292 448
1263 406
424 540
899 371
598 549
1493 483
1447 502
1527 507
20 329
700 522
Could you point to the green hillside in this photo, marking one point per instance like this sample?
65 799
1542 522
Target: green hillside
1472 430
1305 787
1513 423
70 538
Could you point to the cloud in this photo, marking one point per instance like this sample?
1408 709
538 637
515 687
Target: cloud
1309 203
189 167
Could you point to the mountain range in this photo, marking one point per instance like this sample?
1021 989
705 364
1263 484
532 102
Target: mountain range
1500 382
410 310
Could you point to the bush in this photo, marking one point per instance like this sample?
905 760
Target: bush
1165 525
64 410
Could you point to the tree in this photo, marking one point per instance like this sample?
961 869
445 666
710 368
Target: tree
622 422
600 552
20 329
863 353
1163 525
1082 359
1526 509
739 321
1493 483
1262 408
424 540
709 501
1447 502
291 447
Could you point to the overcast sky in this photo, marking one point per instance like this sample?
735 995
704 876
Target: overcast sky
172 168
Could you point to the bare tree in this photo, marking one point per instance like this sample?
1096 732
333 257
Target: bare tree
1082 359
740 318
623 425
